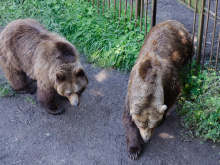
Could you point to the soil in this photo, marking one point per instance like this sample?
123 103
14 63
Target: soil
93 133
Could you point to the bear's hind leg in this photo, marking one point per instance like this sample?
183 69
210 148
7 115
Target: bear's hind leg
47 100
134 139
18 81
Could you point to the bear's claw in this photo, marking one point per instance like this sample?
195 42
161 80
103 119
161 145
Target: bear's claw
59 111
134 152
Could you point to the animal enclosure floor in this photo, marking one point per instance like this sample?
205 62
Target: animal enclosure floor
93 134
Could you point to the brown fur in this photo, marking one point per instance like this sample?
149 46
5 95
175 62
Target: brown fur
154 83
28 49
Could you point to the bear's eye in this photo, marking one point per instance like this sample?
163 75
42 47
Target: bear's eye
77 93
68 94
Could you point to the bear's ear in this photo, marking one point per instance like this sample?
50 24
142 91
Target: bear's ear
60 77
161 109
145 66
134 113
80 72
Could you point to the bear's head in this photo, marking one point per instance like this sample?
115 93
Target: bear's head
148 119
71 84
146 96
71 79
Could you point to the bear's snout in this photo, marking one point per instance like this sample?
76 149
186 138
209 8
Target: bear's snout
74 100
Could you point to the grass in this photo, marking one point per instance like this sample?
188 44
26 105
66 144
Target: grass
106 42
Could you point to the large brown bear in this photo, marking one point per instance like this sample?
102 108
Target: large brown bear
154 83
28 50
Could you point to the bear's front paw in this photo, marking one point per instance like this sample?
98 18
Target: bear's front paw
59 111
134 152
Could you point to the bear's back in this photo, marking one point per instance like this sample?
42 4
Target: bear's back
169 40
21 36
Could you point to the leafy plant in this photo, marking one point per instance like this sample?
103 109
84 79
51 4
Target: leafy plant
107 42
6 90
31 101
200 103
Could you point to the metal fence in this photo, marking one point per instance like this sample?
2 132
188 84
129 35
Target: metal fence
136 10
133 10
199 6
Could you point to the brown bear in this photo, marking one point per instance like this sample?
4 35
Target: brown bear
154 83
28 50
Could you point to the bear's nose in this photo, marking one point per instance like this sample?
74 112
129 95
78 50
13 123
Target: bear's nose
76 104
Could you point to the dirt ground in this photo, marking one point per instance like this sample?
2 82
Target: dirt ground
92 133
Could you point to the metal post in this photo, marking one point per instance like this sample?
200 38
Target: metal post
114 9
119 9
206 29
103 8
126 2
146 10
216 7
141 15
216 62
154 11
98 6
131 10
137 11
194 23
200 36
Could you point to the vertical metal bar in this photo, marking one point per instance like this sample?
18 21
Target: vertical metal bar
206 29
216 61
216 6
103 8
136 12
119 9
131 10
114 9
108 7
194 23
154 11
98 6
200 36
146 10
194 20
141 15
126 3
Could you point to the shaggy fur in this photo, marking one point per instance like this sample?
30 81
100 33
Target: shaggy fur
154 83
27 49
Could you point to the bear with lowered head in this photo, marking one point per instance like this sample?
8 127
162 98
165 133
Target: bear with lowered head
28 50
154 83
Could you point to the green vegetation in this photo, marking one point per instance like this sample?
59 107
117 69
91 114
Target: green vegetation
200 103
6 90
31 101
107 42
